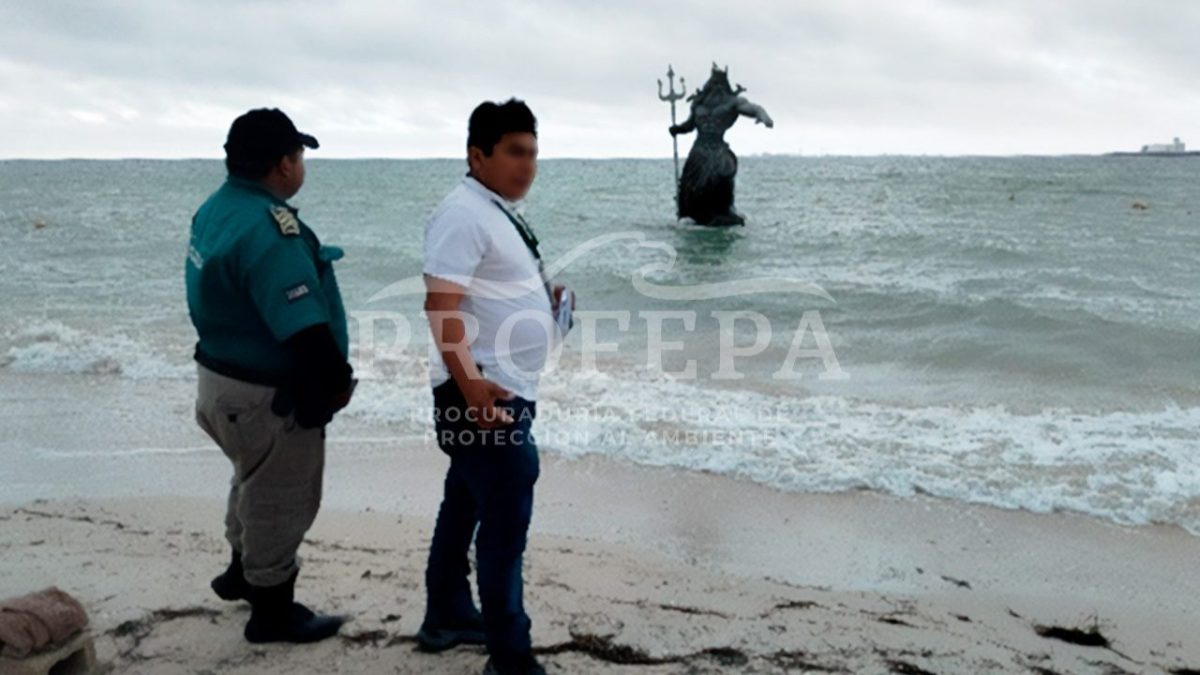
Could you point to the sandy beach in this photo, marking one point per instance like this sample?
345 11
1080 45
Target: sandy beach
631 569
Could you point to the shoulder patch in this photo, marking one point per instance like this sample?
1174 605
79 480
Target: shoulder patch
286 221
296 292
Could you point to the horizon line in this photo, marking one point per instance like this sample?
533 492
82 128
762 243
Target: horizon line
760 155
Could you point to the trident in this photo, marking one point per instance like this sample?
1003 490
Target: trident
673 96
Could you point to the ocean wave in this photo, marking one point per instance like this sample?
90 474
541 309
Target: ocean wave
1134 468
1048 339
54 453
51 347
1126 467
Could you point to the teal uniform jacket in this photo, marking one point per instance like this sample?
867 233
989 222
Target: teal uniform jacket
256 276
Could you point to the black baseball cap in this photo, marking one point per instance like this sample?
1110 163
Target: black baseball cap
265 134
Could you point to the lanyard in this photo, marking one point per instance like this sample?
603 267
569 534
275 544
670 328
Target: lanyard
523 229
531 242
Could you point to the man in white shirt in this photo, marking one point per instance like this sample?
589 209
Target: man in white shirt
491 314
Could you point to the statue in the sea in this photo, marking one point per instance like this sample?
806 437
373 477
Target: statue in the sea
706 186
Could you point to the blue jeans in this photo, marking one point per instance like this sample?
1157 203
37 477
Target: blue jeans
489 485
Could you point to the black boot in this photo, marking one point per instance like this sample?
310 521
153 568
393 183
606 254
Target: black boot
275 616
232 584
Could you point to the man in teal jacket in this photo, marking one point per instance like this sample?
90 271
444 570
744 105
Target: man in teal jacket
272 366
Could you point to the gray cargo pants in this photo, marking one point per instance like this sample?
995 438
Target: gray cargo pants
277 471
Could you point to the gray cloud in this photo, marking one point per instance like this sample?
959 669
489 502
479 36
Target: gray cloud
163 79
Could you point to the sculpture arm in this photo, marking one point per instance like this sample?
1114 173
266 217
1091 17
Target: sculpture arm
749 109
687 127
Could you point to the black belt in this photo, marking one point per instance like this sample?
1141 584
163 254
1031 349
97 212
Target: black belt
237 372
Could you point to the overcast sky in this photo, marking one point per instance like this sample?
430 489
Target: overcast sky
164 78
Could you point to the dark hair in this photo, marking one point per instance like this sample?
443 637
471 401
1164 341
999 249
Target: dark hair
490 121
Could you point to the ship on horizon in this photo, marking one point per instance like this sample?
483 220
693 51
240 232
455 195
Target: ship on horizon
1177 148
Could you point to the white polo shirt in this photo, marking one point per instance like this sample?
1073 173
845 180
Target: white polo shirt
471 242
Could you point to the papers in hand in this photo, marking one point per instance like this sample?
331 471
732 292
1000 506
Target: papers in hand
562 316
